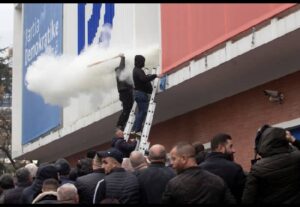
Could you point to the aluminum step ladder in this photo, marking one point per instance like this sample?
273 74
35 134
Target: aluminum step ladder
142 143
130 122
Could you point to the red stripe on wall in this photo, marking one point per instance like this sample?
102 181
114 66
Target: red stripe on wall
190 29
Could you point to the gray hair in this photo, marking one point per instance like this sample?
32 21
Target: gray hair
136 158
32 169
23 175
67 192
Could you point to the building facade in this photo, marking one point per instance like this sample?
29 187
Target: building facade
218 60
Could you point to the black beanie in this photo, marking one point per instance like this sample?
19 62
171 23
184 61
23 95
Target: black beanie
139 61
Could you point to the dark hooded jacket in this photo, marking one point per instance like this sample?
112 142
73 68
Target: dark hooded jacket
275 178
142 82
125 147
43 173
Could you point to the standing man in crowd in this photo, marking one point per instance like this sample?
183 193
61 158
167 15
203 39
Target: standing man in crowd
125 94
220 162
24 179
44 172
118 183
193 185
153 180
6 183
143 90
67 194
32 169
138 162
275 178
63 168
48 194
86 184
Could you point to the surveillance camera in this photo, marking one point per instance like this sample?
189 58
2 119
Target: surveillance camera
274 96
271 93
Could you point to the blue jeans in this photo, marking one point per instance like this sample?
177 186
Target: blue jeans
142 101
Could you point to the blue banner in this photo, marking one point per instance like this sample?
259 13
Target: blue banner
42 30
92 26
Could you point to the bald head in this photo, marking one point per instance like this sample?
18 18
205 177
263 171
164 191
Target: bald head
157 153
183 156
67 193
137 158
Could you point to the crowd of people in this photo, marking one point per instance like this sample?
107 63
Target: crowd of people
187 174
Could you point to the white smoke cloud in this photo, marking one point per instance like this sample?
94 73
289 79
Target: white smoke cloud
58 79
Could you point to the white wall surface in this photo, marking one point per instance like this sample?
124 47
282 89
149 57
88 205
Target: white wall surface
135 25
17 82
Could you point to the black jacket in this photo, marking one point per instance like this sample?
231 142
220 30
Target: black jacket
142 82
118 184
275 178
13 196
153 181
43 172
231 172
86 185
196 186
125 147
122 85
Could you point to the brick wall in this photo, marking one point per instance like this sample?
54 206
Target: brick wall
239 115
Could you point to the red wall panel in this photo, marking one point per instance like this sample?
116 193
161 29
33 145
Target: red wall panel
190 29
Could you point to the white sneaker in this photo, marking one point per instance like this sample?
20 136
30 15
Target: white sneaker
139 134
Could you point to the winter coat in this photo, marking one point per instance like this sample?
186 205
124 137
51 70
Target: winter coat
86 185
13 196
43 173
196 186
118 184
231 172
142 82
48 197
125 147
153 181
275 178
122 85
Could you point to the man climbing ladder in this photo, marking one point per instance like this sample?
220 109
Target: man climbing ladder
142 91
